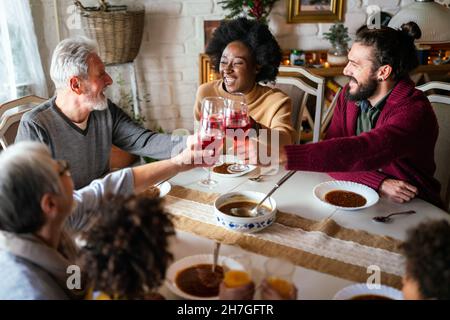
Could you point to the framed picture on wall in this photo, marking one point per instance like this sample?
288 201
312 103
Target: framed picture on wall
315 11
209 26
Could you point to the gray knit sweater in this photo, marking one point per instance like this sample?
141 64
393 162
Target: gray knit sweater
88 150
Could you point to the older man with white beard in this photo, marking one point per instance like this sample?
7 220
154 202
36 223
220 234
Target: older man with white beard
80 125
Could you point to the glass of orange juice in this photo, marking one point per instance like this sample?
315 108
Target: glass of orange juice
278 274
237 283
237 271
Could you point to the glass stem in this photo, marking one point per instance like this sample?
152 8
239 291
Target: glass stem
209 174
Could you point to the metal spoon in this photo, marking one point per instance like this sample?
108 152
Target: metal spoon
209 277
259 178
215 256
244 212
388 217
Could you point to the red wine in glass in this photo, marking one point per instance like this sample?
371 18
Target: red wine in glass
211 129
206 141
236 117
236 120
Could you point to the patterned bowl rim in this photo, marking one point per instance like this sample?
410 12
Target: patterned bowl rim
242 220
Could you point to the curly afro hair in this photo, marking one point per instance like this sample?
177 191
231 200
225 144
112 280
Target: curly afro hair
256 36
427 251
126 253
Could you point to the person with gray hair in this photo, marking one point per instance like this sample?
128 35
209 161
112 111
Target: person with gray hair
80 124
40 213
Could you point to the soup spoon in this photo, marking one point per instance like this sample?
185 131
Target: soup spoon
388 217
215 256
259 178
254 212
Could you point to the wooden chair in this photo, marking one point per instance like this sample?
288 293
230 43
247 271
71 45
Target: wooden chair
300 84
328 115
10 114
441 106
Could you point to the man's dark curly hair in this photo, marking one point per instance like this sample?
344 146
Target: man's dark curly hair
126 253
392 47
256 36
427 251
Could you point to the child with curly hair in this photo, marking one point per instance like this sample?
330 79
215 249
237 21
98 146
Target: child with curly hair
427 251
126 253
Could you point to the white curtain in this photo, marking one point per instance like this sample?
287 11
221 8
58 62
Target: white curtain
21 70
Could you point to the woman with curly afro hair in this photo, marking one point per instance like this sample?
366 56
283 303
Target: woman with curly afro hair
427 251
126 253
246 53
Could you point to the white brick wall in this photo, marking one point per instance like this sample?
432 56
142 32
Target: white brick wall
168 61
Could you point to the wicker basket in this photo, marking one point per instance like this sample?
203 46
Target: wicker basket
118 33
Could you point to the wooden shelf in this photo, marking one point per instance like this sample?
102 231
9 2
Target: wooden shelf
207 74
338 71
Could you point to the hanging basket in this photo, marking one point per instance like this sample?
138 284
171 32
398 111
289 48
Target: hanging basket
117 30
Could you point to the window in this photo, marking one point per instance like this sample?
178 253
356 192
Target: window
20 64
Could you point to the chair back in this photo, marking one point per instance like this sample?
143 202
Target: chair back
10 114
299 84
441 107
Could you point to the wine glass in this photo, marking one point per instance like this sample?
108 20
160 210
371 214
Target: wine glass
211 130
237 122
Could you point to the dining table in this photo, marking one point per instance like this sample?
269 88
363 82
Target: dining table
331 248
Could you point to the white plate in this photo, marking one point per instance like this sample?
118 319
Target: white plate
164 189
231 160
189 261
362 289
322 189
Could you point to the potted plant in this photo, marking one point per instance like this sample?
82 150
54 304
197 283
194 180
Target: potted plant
252 9
338 37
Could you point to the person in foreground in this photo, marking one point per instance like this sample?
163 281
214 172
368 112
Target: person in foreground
383 130
79 124
126 252
40 212
427 251
245 53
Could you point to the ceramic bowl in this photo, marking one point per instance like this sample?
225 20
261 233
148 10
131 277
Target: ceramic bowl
190 261
361 289
245 224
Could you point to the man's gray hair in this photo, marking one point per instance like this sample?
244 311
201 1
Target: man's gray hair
26 174
70 59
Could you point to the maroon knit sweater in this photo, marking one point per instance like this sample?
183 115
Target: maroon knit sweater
401 146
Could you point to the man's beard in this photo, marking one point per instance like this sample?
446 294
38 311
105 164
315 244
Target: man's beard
365 90
98 103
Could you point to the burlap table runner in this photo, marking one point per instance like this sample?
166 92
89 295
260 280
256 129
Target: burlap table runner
323 246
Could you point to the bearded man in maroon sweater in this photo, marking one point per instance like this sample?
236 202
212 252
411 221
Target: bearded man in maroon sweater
383 130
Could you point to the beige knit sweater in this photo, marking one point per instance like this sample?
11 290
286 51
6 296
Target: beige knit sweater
268 106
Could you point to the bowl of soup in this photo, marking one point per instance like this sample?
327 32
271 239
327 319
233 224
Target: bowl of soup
361 291
192 277
229 219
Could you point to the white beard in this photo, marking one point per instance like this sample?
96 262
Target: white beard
99 104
